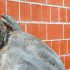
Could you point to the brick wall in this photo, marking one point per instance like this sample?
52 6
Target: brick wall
49 20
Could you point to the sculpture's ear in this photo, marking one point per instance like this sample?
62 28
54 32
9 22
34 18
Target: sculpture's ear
10 22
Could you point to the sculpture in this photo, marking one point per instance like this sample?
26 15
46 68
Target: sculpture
22 51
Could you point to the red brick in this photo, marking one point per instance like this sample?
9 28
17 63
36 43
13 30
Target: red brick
48 43
67 3
55 31
36 13
63 47
2 7
38 30
25 11
55 46
63 59
67 31
22 26
45 13
53 2
38 1
13 9
67 62
62 15
54 14
68 15
69 46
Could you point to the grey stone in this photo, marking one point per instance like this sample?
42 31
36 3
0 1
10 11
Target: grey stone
25 52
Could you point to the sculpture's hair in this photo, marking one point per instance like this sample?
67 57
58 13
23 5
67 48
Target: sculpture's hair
10 22
3 34
7 25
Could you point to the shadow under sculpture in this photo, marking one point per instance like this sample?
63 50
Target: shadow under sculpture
22 51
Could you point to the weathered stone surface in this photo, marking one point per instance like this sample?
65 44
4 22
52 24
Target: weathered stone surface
25 52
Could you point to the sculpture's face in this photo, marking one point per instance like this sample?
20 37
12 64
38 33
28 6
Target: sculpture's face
3 30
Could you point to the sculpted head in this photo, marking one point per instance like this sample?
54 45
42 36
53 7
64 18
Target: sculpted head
7 25
10 23
3 30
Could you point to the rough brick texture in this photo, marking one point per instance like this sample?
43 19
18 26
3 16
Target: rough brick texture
48 20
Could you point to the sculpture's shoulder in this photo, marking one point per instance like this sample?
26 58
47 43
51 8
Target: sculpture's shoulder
19 38
19 34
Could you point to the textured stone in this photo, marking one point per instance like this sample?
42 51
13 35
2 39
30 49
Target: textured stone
25 52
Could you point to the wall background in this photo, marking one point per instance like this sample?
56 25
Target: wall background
49 20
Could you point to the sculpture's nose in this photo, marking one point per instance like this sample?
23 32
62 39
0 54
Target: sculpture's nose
10 22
